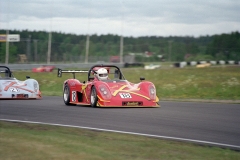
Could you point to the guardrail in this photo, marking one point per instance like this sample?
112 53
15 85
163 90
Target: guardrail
62 66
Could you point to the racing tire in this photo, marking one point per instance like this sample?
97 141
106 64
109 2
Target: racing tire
93 97
66 95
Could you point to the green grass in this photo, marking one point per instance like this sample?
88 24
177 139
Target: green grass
34 141
222 83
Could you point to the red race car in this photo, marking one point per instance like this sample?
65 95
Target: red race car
105 86
43 69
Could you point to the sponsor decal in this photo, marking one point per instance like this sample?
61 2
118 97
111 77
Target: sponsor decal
72 83
115 86
20 96
132 103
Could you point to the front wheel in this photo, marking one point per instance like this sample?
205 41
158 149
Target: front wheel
66 95
93 97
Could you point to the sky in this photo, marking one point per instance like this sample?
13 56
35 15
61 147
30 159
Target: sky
123 17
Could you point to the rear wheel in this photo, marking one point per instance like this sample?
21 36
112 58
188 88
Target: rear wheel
66 95
93 97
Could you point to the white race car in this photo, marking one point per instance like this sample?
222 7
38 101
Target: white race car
11 88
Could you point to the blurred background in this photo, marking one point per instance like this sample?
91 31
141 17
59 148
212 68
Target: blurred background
71 48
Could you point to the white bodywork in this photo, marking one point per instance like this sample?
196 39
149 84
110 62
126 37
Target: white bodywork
11 88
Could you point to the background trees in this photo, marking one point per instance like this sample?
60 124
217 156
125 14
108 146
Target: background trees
72 47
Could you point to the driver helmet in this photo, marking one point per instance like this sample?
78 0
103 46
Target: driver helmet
102 74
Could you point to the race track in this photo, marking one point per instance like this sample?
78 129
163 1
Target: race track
207 122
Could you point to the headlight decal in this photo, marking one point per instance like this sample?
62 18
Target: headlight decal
152 92
35 86
105 92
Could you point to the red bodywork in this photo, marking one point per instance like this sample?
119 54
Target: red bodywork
113 92
43 69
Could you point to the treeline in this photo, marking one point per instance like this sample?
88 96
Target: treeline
173 48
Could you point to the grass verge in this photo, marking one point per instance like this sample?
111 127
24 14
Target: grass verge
34 141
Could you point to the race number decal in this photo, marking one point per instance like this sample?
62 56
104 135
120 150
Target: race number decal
125 95
13 89
74 96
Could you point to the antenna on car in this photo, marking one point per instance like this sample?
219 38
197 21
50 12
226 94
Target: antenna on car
73 75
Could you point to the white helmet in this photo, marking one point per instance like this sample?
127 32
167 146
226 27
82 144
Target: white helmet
102 74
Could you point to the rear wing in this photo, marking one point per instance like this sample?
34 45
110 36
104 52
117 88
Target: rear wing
60 71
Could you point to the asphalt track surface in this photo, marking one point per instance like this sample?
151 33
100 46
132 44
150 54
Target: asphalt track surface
214 123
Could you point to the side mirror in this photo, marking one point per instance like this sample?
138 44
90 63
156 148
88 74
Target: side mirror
27 77
142 78
91 78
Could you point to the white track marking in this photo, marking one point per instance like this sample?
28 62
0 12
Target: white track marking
132 133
